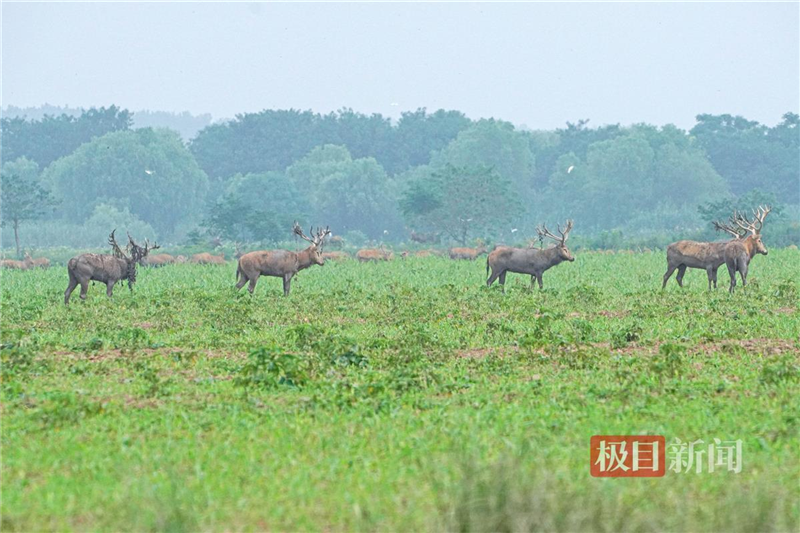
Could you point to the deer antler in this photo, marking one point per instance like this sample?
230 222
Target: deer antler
729 228
568 228
137 252
317 239
760 214
299 232
115 247
321 234
544 232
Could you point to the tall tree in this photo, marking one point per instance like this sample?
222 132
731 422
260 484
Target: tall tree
492 144
461 202
257 207
23 198
52 137
749 155
150 172
348 194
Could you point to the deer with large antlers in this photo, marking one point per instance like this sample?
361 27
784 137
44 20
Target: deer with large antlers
739 252
281 263
531 261
708 256
108 269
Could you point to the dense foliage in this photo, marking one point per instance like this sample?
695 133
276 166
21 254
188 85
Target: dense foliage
377 180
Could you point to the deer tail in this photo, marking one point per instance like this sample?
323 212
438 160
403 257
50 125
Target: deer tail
238 272
487 266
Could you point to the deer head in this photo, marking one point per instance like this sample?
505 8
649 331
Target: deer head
740 225
317 241
138 253
561 242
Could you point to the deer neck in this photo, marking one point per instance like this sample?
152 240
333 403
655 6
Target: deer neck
552 255
306 258
750 246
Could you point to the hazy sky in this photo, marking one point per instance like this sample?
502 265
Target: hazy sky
534 64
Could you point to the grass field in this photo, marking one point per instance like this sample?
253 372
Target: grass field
397 396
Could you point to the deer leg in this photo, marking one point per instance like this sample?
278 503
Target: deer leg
732 272
539 279
287 284
84 289
667 275
110 288
71 287
710 274
492 278
253 282
715 277
242 282
503 280
681 272
743 273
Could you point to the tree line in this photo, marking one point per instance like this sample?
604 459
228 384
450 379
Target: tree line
371 179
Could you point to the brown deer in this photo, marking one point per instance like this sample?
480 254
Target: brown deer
159 260
708 256
281 263
108 269
13 264
37 262
739 252
206 258
336 256
531 261
367 255
467 254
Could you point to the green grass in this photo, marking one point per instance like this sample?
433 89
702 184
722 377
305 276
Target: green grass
396 396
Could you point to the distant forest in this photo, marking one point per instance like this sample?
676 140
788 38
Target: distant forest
70 175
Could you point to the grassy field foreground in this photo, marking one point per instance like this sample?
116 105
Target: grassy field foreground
396 396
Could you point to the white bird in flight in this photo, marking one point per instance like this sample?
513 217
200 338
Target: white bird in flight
394 104
513 230
570 169
149 172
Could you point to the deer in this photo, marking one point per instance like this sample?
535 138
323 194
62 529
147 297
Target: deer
206 258
281 263
367 255
159 260
739 252
335 256
708 256
531 261
467 254
108 269
13 264
36 262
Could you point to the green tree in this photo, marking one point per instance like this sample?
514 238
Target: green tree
461 202
23 197
52 137
494 144
348 194
749 155
149 172
418 135
257 207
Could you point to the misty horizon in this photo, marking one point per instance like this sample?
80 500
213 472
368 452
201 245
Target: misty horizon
537 66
